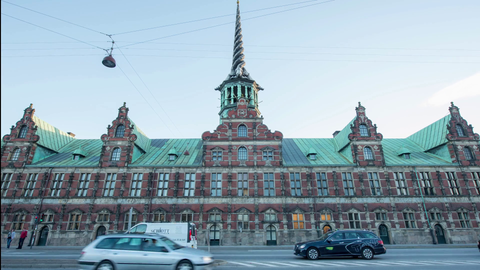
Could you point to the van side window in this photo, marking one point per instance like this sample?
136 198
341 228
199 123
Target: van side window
141 228
107 243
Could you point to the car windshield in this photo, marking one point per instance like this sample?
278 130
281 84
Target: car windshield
170 243
325 236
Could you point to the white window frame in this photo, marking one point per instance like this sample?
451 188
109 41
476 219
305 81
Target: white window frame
348 186
296 184
242 184
136 186
109 185
162 188
189 188
402 187
30 184
56 186
298 221
216 185
375 186
354 220
83 184
269 184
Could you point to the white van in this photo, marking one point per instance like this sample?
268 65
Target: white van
184 234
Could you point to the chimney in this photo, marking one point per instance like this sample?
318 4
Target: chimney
336 133
71 134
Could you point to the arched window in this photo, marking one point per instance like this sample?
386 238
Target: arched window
120 131
23 132
116 154
460 131
16 154
242 131
468 153
242 153
363 130
367 153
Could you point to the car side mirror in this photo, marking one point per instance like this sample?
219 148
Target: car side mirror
329 240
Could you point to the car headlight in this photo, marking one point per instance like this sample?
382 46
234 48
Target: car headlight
207 259
302 246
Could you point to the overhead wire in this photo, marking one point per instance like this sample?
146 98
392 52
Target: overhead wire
144 84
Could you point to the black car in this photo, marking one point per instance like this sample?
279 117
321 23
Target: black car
342 243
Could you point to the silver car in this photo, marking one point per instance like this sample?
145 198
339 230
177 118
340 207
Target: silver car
145 251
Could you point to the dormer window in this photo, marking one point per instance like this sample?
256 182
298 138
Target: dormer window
242 131
363 130
172 154
76 157
120 131
367 153
460 130
23 132
406 156
116 154
172 157
468 153
313 156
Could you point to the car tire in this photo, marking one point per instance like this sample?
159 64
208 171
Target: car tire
312 253
367 253
184 265
105 265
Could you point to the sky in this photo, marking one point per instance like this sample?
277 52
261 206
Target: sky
405 61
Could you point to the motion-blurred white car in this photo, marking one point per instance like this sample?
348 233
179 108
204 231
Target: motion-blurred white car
145 251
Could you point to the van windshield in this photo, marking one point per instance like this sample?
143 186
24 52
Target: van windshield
170 243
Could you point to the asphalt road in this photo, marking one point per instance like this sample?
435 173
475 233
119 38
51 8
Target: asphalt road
271 258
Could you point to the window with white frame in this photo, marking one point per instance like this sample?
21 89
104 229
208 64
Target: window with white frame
216 188
267 155
103 217
375 187
348 187
83 184
426 183
476 181
363 130
354 220
48 217
270 216
242 131
381 216
295 184
56 185
322 184
172 157
215 217
217 155
16 154
268 184
120 131
453 183
136 188
298 221
74 222
187 217
409 218
23 132
368 153
464 219
162 189
242 184
159 217
435 215
401 183
467 153
30 184
109 188
243 221
18 221
189 189
326 217
460 130
242 153
6 180
116 154
127 218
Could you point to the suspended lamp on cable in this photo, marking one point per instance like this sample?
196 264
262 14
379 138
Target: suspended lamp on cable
108 60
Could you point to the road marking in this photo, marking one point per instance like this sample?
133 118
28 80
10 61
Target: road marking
420 263
437 262
356 264
309 264
244 264
264 264
399 263
286 264
455 262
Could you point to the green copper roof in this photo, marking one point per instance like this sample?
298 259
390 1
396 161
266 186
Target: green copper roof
80 152
294 152
142 140
50 136
64 157
403 150
432 135
342 138
417 155
160 148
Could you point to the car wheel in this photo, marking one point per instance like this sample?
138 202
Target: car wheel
312 254
105 265
367 253
184 265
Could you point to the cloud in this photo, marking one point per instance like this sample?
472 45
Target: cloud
468 87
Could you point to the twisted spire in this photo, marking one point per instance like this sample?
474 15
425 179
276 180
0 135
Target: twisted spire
238 65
